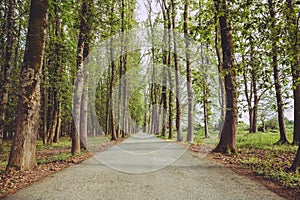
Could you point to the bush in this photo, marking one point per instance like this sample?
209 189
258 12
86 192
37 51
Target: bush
272 123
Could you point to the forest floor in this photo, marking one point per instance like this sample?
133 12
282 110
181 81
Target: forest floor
260 158
147 168
254 164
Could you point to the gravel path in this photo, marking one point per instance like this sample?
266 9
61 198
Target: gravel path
144 167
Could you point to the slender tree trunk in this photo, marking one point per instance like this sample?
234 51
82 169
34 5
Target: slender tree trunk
296 162
54 110
171 85
168 61
22 154
124 121
205 95
228 134
7 67
164 75
107 113
58 124
294 40
218 48
280 109
190 134
112 81
84 101
80 78
45 103
177 72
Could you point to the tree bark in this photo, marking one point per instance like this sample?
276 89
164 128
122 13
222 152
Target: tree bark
293 29
22 155
218 48
164 74
45 103
296 162
58 123
227 142
85 96
177 72
280 109
205 94
112 79
190 134
80 78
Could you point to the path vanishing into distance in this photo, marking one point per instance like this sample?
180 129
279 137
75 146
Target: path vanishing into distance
145 167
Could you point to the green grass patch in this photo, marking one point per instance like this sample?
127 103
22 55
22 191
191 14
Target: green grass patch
258 152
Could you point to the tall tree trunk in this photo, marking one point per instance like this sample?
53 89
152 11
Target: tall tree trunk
112 79
205 94
7 66
177 72
164 74
296 162
45 103
107 113
280 109
190 134
125 106
54 115
294 40
80 78
218 48
58 123
228 134
22 155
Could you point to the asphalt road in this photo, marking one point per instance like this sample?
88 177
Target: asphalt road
144 167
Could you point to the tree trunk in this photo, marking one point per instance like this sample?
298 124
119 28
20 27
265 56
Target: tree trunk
58 124
177 72
53 120
112 80
85 96
296 162
280 109
164 75
228 134
218 48
205 94
190 134
107 113
7 66
80 78
22 155
45 103
293 29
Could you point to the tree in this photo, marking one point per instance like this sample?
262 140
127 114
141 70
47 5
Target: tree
296 162
188 74
112 76
177 72
229 131
22 155
82 52
294 54
274 40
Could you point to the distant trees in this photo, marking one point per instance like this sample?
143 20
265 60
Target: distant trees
7 66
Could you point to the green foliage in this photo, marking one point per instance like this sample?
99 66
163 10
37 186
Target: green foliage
136 107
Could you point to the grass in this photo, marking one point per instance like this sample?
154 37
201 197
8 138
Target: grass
56 152
258 152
